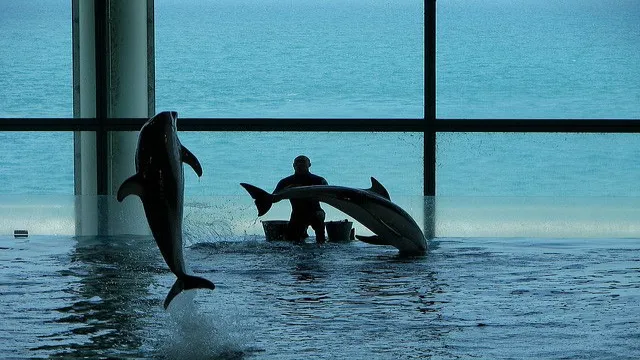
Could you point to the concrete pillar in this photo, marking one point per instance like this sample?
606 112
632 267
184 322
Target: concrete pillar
113 76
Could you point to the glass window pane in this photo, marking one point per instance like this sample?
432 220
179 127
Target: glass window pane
36 163
537 164
35 61
217 204
263 158
282 58
538 185
538 59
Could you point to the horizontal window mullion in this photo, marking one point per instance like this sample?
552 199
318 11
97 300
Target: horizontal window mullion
539 125
332 125
214 124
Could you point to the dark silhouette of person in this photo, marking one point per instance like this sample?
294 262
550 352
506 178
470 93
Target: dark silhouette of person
304 212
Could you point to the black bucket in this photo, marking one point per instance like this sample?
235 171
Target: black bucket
275 229
339 230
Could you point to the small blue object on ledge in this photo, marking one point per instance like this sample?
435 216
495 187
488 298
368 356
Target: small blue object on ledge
20 233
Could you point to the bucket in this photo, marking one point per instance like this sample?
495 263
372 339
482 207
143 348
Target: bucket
274 229
339 230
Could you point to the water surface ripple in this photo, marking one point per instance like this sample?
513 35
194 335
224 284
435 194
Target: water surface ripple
98 297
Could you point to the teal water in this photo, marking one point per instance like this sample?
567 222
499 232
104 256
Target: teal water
101 297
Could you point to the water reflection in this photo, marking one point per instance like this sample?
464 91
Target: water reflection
405 295
111 297
307 266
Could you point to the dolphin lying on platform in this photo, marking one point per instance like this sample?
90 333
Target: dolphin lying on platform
370 207
159 182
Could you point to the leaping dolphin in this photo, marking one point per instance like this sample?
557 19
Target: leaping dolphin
159 182
371 207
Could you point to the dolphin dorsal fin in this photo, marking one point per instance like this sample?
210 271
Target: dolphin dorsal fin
377 188
131 186
192 160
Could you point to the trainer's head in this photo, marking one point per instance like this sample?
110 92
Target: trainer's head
301 164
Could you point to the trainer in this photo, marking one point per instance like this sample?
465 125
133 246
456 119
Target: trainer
304 212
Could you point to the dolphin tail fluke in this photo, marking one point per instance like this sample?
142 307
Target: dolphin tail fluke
187 282
263 199
196 282
374 240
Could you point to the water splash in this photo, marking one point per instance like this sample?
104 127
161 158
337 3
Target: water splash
197 335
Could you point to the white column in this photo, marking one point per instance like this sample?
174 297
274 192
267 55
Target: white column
116 84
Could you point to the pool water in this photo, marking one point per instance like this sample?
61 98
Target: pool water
478 298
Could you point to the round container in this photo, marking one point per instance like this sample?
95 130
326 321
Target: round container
274 229
339 230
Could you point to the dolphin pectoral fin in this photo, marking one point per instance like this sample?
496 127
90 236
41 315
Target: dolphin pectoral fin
374 240
263 199
192 160
187 282
377 188
131 186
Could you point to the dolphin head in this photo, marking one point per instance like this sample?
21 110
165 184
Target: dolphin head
169 118
163 122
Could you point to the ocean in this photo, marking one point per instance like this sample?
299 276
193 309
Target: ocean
536 233
360 58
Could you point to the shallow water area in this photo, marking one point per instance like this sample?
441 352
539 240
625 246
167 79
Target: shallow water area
488 298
